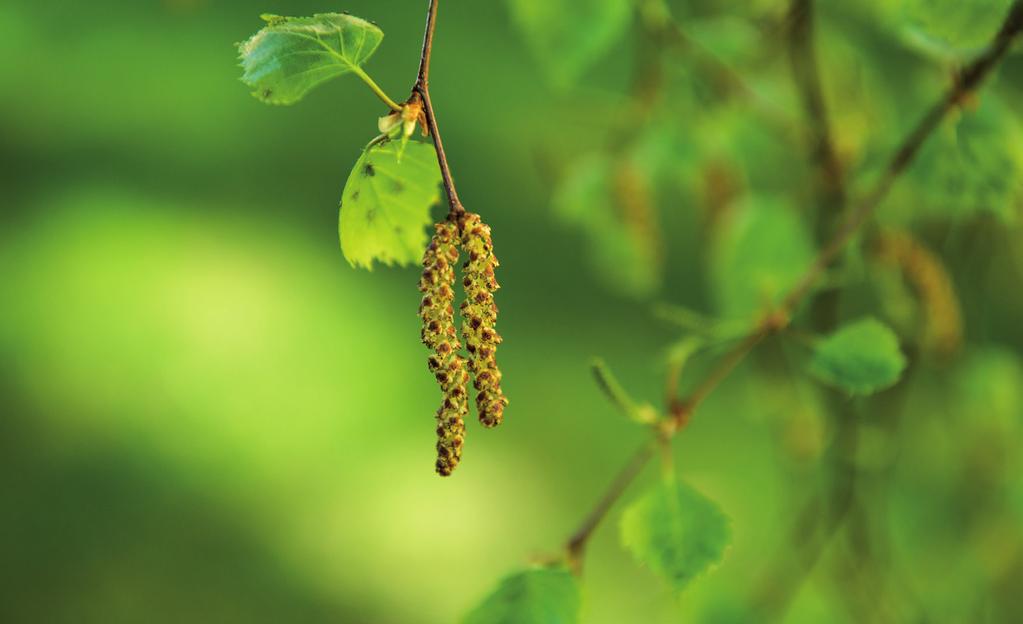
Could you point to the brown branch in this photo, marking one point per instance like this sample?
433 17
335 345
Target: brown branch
969 79
830 186
681 409
576 545
421 96
806 74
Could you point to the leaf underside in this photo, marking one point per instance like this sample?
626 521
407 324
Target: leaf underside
291 55
386 202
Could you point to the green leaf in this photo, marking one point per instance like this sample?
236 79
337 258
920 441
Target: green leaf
951 29
568 36
861 358
537 596
760 254
386 204
989 389
732 39
623 249
676 531
291 55
972 165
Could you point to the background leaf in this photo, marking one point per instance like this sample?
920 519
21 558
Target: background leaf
291 55
950 29
761 252
608 201
676 531
386 204
539 596
861 358
567 36
973 165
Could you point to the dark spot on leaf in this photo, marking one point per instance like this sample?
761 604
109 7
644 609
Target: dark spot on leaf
371 215
267 93
369 171
355 196
397 186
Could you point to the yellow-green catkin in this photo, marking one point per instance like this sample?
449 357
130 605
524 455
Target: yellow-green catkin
942 331
479 316
437 313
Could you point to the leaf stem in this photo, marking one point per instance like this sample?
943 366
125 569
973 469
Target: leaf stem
681 409
612 389
358 71
421 92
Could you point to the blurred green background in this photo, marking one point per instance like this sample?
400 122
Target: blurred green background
208 416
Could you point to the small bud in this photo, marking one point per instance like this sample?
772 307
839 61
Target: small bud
408 127
387 123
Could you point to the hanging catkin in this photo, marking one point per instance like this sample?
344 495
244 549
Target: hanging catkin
479 315
942 331
438 333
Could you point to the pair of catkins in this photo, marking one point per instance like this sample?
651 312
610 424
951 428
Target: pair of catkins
466 232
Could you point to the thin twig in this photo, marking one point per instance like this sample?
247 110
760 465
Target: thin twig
421 93
681 409
576 545
968 80
806 74
830 194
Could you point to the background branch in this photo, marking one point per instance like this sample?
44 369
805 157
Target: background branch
576 546
827 509
778 319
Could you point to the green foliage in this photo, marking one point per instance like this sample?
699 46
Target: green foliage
973 165
761 253
860 358
291 55
952 29
386 204
537 596
568 36
676 531
621 255
728 37
989 390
